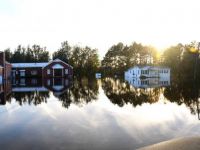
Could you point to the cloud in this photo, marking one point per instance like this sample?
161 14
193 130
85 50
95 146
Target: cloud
97 23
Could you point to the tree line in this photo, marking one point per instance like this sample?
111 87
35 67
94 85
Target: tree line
120 57
21 54
85 60
182 59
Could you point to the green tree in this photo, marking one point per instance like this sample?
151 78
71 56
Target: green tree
64 53
8 54
84 60
121 57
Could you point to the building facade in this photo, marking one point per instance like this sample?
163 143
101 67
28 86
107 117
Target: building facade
57 68
148 71
5 67
54 68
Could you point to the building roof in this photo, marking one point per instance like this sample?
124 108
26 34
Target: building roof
29 89
29 65
36 65
58 60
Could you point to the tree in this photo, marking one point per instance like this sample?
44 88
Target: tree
84 60
182 59
8 54
64 53
120 57
29 54
172 56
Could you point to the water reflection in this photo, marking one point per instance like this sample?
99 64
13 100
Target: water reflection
113 110
37 90
80 91
137 91
121 93
184 91
5 92
148 82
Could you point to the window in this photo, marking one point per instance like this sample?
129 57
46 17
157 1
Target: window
22 73
34 72
22 81
48 71
34 81
144 71
48 82
66 71
66 82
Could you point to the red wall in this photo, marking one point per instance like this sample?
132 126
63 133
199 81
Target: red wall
6 66
1 71
28 72
7 70
2 59
66 66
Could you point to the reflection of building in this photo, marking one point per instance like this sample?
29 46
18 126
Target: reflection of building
148 71
5 91
54 68
1 74
56 85
148 82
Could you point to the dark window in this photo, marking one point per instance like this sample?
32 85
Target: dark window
34 72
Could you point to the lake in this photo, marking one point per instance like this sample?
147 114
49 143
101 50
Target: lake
96 114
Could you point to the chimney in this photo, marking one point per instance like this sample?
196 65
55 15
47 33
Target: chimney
2 59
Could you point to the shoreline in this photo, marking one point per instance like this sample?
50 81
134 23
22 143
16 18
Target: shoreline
184 143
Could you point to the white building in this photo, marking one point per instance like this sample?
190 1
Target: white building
148 71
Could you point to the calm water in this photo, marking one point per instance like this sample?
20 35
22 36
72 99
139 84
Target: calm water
95 114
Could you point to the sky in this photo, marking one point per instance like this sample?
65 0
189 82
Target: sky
98 23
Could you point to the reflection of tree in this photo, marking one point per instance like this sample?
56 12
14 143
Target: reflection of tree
83 90
184 91
31 97
121 93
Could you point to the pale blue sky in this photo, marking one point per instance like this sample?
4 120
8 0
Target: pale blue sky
98 23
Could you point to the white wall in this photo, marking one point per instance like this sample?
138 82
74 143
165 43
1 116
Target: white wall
133 72
165 75
136 72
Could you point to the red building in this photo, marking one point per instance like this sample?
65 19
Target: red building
5 67
54 68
